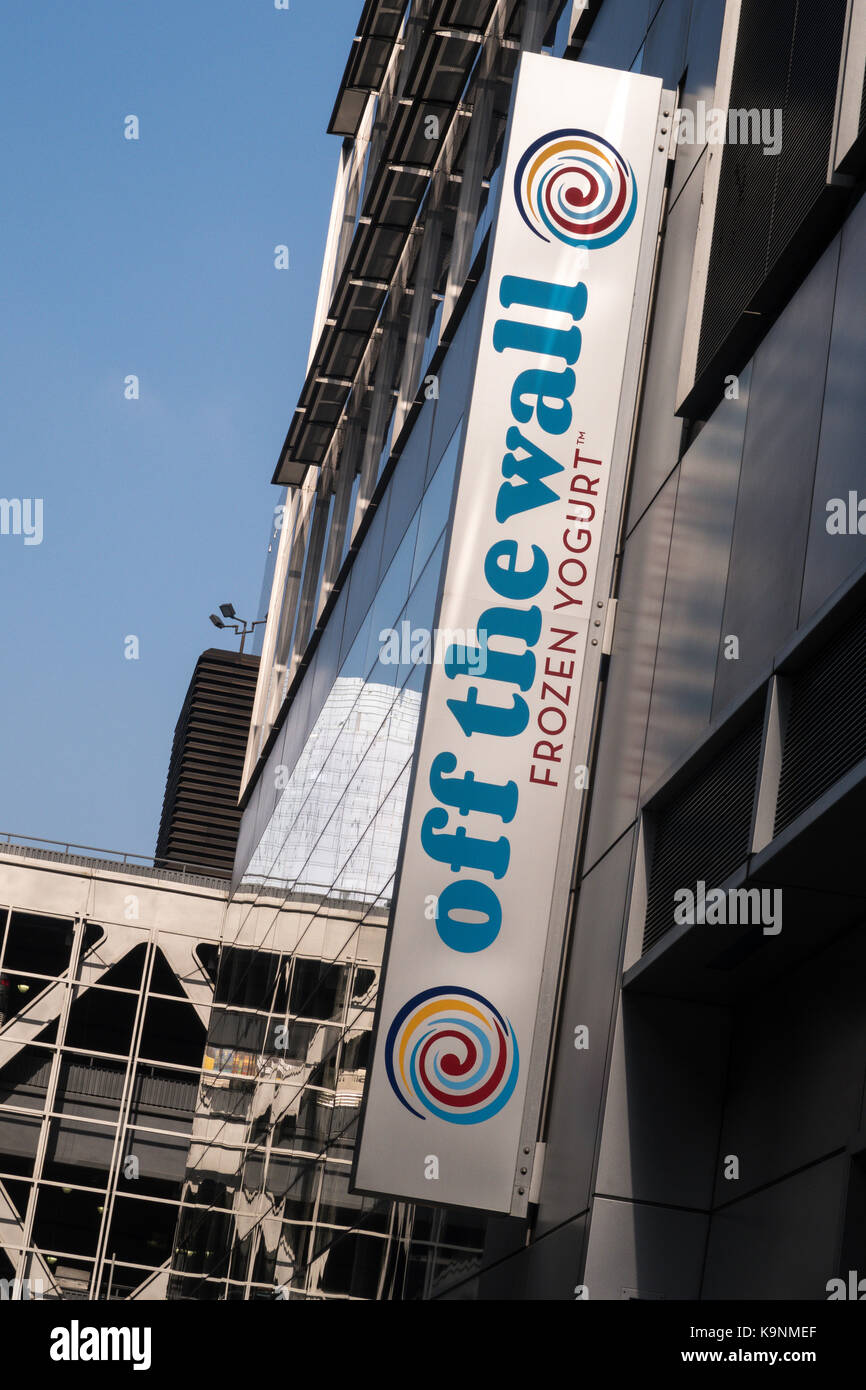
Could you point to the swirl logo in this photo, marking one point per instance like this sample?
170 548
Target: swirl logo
577 187
453 1052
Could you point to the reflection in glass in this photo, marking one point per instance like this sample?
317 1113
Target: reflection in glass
290 1031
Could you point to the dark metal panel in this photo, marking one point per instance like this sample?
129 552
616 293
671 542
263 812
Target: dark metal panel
637 1250
590 999
660 430
744 209
810 98
665 51
629 685
779 1243
772 520
695 591
547 1270
774 213
663 1102
617 33
702 57
830 559
797 1068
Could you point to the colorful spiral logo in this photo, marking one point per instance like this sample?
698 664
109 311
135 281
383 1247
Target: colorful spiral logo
453 1052
573 185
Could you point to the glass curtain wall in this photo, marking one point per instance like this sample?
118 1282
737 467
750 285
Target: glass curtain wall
100 1056
268 1209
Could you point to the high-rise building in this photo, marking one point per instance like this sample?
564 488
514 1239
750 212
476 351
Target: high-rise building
200 818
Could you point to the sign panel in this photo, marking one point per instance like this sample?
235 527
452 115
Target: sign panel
458 1005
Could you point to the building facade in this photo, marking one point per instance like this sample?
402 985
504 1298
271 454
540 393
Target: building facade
701 1129
180 1079
105 1003
712 1110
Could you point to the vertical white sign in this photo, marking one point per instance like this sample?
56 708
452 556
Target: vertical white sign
458 1005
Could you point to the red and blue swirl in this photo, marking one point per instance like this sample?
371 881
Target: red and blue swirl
573 185
451 1052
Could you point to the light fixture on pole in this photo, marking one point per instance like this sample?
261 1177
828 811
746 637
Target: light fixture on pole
241 626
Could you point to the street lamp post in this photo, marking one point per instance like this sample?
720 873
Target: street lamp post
241 626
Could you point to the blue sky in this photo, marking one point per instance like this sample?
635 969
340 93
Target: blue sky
156 258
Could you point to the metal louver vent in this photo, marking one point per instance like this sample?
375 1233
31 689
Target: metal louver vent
825 734
807 119
787 59
200 815
703 833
